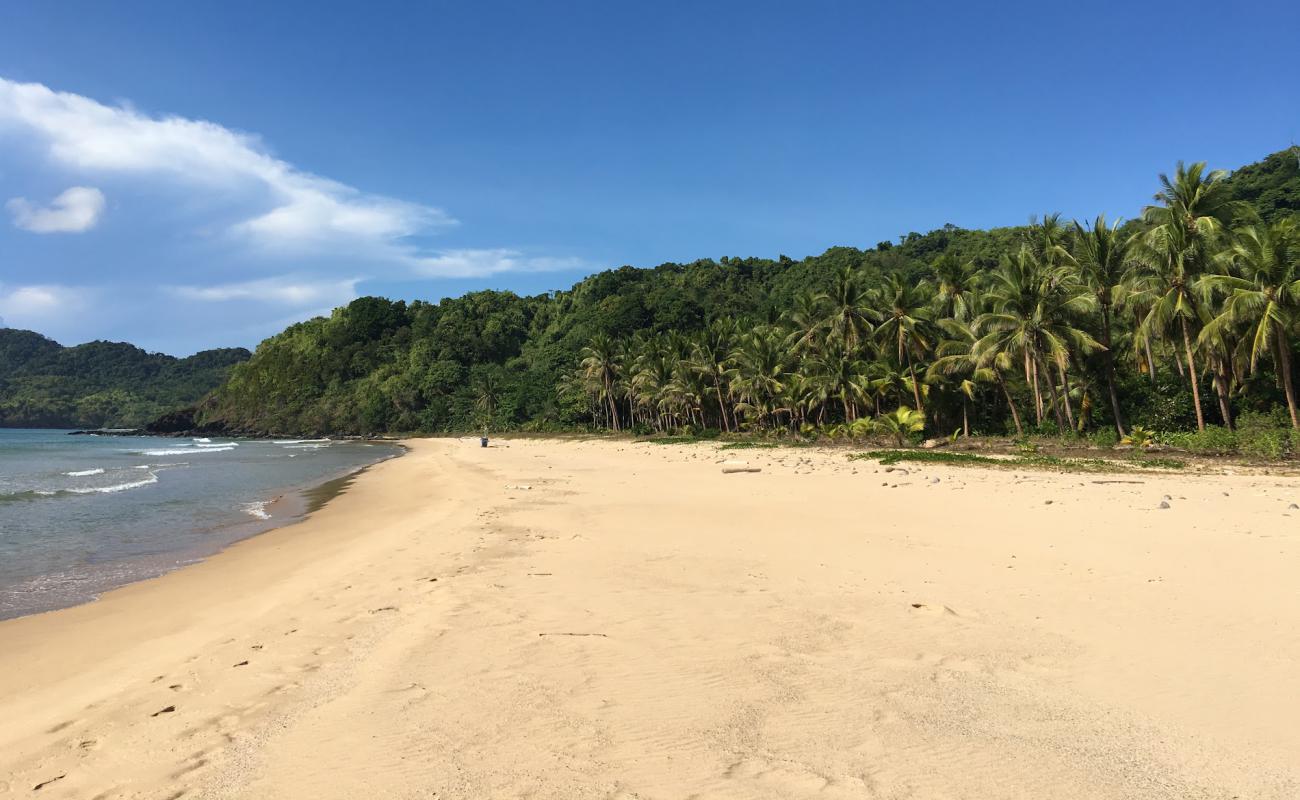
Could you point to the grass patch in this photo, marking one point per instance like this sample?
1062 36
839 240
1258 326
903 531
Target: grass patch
748 445
676 440
1024 461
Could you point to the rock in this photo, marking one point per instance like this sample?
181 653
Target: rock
1166 497
934 480
1048 502
1164 504
1293 505
930 444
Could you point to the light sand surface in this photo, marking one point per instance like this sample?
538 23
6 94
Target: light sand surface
637 624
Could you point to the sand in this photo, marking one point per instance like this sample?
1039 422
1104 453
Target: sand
629 622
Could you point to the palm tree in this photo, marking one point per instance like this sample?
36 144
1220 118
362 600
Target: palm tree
487 396
849 310
1164 279
957 283
1102 253
838 375
1264 296
760 374
1032 319
956 356
902 422
600 365
906 325
710 359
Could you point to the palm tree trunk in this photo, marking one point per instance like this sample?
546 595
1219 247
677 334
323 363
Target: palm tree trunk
965 418
1221 389
1110 370
1056 400
1151 362
1284 367
722 408
1015 415
1191 370
1065 385
1038 393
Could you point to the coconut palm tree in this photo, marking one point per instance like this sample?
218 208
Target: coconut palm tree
905 326
1263 296
957 281
849 311
601 366
957 357
710 359
760 374
1102 255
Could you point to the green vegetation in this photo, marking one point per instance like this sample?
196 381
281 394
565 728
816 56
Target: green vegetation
100 384
1177 321
889 457
748 445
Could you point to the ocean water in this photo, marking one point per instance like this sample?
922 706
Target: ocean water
82 514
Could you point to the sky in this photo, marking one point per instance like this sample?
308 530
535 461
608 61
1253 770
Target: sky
202 174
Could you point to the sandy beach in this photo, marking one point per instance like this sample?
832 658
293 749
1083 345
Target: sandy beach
604 619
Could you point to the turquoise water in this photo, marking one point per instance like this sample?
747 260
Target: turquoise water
81 514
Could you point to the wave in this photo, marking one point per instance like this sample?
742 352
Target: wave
180 452
35 494
298 441
257 509
203 440
118 487
84 472
226 445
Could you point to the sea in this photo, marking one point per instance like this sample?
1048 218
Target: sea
82 514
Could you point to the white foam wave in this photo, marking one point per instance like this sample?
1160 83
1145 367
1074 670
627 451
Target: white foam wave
120 487
203 440
84 472
257 509
226 445
179 452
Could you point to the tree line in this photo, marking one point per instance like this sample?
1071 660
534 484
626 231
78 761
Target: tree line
1202 286
1043 327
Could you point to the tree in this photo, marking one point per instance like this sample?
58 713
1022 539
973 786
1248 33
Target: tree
1101 252
1264 295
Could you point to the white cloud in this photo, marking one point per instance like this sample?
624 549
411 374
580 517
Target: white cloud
38 305
74 211
295 209
284 290
468 263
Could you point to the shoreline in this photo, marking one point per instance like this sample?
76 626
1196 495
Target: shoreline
290 505
612 619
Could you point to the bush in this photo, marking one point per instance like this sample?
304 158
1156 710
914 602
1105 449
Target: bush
1104 438
1214 440
1264 434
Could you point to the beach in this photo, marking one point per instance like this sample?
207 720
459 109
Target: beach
609 619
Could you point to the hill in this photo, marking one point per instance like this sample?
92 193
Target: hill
99 384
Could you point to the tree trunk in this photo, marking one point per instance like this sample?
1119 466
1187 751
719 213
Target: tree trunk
1221 389
1284 367
1191 370
965 418
1056 400
722 408
1015 415
1065 385
1110 369
1151 362
916 387
1038 393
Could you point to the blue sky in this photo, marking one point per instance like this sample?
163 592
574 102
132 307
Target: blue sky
188 175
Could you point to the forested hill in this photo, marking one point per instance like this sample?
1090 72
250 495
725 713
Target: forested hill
99 384
379 365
